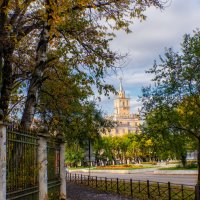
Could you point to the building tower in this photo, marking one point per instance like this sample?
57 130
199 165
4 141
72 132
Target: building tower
127 122
121 103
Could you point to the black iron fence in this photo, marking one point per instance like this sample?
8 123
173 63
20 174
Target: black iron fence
53 169
22 166
136 188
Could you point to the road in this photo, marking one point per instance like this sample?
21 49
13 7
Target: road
176 179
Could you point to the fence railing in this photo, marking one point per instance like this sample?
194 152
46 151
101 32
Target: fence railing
31 165
22 167
53 160
53 169
136 188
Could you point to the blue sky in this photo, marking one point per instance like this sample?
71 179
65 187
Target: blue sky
146 42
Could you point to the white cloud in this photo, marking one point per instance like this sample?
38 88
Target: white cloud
147 41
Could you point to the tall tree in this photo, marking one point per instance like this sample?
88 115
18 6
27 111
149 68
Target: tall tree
174 101
76 25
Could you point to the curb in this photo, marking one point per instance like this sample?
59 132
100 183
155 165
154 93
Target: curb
137 171
176 172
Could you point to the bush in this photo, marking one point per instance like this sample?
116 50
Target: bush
149 163
119 166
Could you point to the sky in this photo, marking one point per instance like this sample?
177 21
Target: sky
162 29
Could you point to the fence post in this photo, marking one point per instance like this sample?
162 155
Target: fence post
117 186
62 171
106 187
2 160
88 180
81 179
148 191
182 191
197 191
131 186
42 162
139 186
96 181
169 191
158 188
75 178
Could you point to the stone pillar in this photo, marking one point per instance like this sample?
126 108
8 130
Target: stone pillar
62 172
2 161
42 162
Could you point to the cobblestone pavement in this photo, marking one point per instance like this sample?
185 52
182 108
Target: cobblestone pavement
77 192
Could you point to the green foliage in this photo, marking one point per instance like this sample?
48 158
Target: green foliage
35 34
131 146
74 155
171 108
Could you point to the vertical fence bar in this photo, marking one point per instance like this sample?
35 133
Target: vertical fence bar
158 186
96 182
131 187
70 177
88 180
148 189
2 160
182 191
139 186
75 178
81 179
106 186
197 195
117 186
169 191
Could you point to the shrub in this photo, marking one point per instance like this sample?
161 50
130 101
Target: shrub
119 166
149 163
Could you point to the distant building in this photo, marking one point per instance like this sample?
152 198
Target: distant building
127 122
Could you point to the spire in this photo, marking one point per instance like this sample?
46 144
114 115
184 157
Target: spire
121 87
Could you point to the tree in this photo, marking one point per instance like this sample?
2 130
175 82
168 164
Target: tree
74 154
174 101
74 26
167 143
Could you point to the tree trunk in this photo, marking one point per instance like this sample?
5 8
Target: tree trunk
7 82
183 160
36 80
198 161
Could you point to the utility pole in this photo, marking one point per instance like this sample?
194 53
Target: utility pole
89 156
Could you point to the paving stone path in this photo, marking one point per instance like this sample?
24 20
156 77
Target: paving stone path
77 192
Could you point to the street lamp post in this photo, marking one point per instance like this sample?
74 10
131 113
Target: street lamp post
89 156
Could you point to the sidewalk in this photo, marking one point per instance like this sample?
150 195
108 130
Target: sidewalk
77 192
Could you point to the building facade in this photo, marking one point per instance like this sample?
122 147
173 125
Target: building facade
127 122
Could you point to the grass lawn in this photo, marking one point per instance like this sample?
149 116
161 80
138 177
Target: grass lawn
75 168
179 168
131 168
